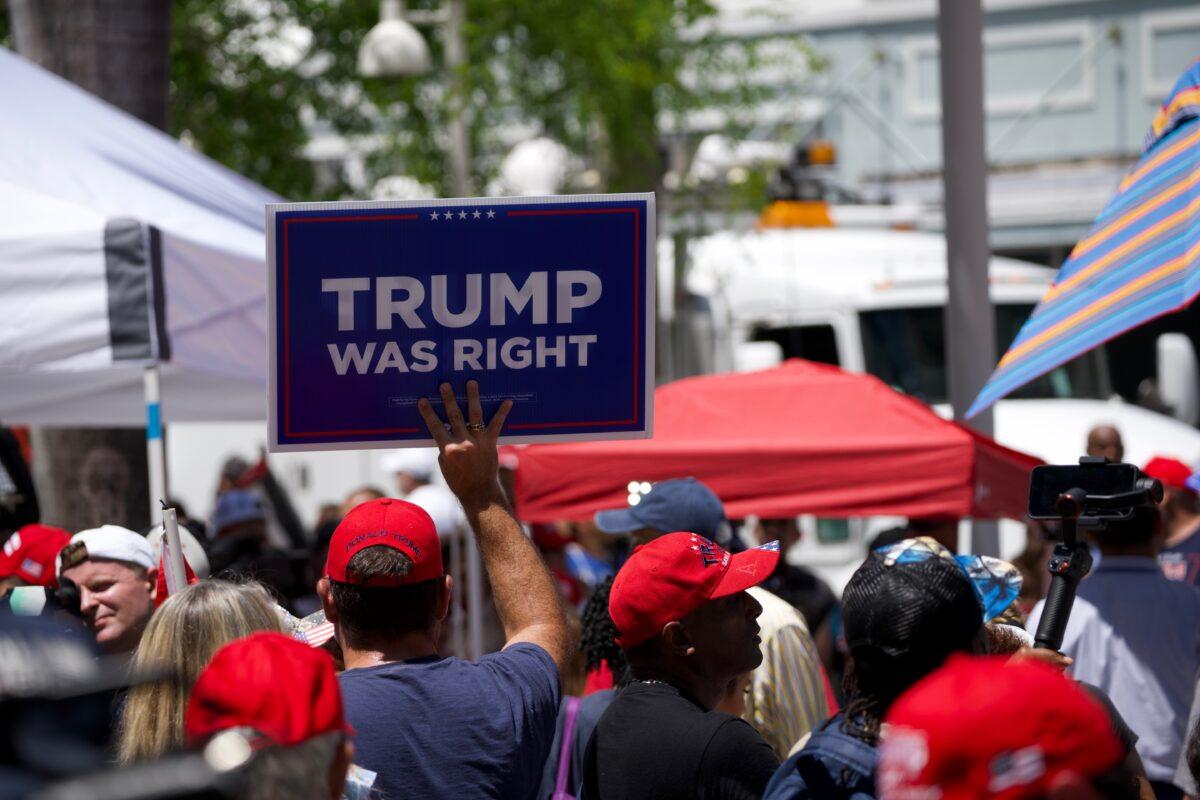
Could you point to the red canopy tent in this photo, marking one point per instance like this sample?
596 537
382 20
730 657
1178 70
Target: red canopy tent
801 438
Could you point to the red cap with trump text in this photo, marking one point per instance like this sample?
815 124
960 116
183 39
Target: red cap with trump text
386 522
674 575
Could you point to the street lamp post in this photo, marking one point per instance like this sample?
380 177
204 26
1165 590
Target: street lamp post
969 322
456 61
395 49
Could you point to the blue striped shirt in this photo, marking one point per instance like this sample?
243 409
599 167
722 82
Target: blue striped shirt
1136 635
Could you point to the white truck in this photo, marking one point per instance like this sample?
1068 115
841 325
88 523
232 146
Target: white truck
872 301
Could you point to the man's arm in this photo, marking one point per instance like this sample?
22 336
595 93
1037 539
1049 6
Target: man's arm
525 595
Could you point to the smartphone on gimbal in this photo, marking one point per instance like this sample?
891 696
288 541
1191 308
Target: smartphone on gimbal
1049 482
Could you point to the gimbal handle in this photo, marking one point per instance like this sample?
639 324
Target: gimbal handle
1072 560
1069 563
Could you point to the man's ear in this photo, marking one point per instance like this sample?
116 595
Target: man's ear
675 637
152 579
445 594
325 592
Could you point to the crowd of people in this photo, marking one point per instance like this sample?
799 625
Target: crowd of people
658 651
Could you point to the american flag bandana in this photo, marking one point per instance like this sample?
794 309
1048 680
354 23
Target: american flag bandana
997 583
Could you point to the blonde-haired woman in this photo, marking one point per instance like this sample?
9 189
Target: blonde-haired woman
182 636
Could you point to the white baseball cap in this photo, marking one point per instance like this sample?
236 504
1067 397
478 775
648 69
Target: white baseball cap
108 541
417 462
192 550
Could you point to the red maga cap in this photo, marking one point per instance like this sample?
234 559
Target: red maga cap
1172 472
391 523
674 575
279 687
992 728
30 553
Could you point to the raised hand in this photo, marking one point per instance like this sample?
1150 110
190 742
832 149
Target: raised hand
467 448
524 594
1050 657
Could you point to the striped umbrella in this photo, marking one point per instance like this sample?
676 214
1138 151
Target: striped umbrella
1138 262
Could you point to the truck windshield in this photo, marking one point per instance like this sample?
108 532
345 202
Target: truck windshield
906 348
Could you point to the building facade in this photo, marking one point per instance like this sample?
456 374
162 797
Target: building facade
1070 89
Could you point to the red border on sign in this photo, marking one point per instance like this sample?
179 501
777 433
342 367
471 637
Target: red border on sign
287 361
287 416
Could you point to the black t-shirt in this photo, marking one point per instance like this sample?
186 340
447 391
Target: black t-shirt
656 743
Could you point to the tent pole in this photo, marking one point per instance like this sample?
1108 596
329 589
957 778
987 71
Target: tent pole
156 454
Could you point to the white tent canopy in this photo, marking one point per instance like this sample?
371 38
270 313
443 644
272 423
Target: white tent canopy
119 248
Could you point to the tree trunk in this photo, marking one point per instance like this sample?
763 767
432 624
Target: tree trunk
87 477
636 162
118 50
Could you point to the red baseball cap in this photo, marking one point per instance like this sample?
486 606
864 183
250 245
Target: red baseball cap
30 554
391 523
281 688
992 728
674 575
1172 472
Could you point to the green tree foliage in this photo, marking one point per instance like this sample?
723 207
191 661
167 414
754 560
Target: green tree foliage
594 75
240 95
255 80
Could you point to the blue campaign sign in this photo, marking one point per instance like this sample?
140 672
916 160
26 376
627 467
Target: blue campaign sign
546 301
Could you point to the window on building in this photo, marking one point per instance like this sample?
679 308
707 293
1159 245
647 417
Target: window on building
812 342
1168 47
1018 61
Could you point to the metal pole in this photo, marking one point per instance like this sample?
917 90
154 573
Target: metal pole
456 610
156 454
474 599
681 363
456 60
970 322
173 559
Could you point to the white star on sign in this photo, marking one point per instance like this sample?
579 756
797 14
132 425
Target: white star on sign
434 215
462 215
475 214
491 214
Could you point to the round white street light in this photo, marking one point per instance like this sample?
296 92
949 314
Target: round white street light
401 187
393 48
535 167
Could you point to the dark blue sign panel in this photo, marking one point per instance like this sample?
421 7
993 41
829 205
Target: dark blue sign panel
546 301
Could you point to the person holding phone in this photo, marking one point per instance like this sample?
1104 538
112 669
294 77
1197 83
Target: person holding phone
1136 635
